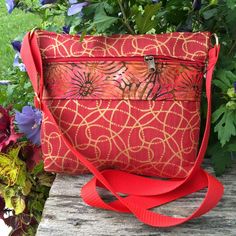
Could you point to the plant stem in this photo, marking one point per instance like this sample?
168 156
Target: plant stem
232 48
125 19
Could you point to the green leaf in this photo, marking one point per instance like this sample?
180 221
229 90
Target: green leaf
146 21
221 161
220 158
27 188
18 204
225 79
218 113
38 205
38 168
220 84
8 193
84 32
11 89
232 147
12 168
231 105
231 4
213 2
8 171
226 127
231 93
46 179
102 21
209 13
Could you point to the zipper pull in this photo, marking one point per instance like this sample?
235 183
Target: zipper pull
150 63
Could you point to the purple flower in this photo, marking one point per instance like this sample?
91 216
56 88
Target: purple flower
155 1
235 87
66 29
29 123
16 45
10 4
196 5
76 7
43 2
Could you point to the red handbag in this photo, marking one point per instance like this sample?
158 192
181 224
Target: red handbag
123 107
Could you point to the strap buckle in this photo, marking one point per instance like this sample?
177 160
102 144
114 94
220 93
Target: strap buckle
37 101
216 39
32 31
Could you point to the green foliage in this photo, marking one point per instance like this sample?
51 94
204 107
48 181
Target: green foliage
13 175
221 158
226 126
10 27
19 92
12 169
147 21
101 20
24 191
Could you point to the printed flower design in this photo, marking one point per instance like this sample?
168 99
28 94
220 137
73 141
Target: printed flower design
150 86
7 131
86 84
29 123
188 83
122 80
57 74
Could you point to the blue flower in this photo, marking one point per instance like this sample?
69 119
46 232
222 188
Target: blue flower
66 29
16 45
17 62
196 5
43 2
235 86
17 59
10 4
75 7
29 122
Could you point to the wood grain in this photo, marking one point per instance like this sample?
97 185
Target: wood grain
66 214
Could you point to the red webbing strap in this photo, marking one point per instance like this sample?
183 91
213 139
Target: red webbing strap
142 193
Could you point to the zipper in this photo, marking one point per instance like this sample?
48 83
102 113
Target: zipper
150 60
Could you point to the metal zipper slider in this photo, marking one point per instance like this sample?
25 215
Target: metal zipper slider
150 63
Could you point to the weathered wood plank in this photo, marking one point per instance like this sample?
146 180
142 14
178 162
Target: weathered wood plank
66 214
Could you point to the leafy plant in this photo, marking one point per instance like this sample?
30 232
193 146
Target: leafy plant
22 189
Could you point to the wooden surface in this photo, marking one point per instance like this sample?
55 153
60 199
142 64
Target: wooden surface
66 214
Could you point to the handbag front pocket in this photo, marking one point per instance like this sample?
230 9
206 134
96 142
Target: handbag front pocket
121 115
123 78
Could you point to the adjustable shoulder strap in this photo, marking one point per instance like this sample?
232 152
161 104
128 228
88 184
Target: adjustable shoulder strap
142 193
